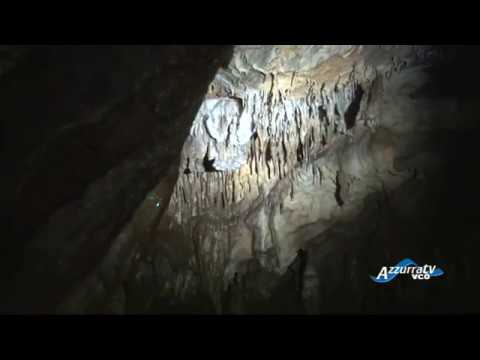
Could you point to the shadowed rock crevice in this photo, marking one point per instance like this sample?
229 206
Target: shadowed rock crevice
353 108
112 122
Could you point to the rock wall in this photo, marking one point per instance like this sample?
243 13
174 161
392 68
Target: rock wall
293 147
267 179
90 131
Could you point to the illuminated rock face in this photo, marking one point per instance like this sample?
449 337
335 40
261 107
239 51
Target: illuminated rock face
307 147
291 142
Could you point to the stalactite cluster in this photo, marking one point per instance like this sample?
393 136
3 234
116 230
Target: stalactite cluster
252 141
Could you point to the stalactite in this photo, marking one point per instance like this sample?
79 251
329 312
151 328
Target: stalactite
266 134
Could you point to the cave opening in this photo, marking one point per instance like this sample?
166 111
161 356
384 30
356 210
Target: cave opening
353 108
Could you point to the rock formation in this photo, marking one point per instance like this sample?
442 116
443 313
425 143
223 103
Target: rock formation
271 180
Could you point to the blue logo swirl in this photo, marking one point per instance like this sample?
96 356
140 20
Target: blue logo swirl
403 264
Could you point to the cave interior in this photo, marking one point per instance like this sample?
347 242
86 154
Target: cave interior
246 179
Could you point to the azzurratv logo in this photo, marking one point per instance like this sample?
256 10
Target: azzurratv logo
407 266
